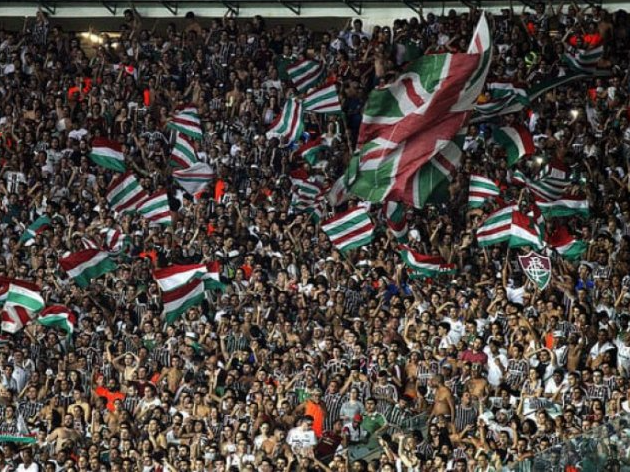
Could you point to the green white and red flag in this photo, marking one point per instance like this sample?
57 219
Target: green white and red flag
108 154
156 209
350 229
517 142
567 245
124 193
421 265
86 265
323 99
496 227
396 219
195 178
480 190
311 149
408 122
186 121
184 153
305 74
568 205
58 316
288 125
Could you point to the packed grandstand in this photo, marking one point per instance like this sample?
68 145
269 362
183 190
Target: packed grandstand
245 246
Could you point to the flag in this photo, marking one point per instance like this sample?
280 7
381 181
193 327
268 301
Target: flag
566 245
524 232
124 193
305 74
58 316
311 150
212 279
307 196
350 229
583 60
549 185
183 298
184 154
507 88
431 182
537 268
156 208
551 182
481 189
324 99
424 266
288 124
407 123
186 121
14 318
29 298
566 206
516 140
195 178
114 241
38 226
496 227
108 154
396 220
339 192
83 266
6 282
175 276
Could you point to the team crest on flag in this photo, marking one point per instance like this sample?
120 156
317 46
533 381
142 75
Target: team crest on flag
537 268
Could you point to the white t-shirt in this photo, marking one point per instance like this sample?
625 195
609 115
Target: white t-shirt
301 439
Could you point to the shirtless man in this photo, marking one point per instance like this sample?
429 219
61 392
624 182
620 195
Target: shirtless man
478 386
443 403
173 375
64 434
127 368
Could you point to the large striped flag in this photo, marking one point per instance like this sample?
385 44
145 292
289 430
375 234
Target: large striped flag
83 266
407 123
324 99
496 227
421 265
431 182
29 298
38 226
516 140
565 206
311 149
288 125
396 219
195 178
481 189
566 245
524 232
156 208
350 229
184 154
58 316
124 193
108 154
583 60
187 121
14 318
305 74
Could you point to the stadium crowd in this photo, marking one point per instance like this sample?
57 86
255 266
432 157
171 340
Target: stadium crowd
310 359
